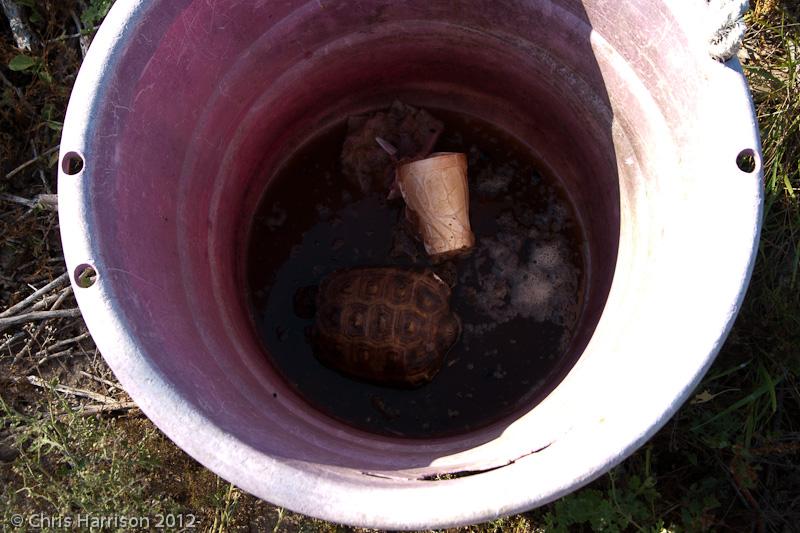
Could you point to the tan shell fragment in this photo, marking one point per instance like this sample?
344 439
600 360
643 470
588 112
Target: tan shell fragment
437 200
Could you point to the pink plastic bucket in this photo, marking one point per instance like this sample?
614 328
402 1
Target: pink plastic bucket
184 108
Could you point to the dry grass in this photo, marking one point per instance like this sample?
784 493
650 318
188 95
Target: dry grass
728 461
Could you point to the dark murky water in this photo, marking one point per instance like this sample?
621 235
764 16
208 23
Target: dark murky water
518 295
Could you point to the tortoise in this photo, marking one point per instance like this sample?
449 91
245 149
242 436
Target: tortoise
386 325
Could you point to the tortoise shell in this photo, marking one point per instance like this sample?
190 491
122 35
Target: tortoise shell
388 325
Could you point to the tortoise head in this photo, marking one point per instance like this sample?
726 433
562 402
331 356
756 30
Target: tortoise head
449 331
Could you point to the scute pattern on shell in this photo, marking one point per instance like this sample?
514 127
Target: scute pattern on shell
387 325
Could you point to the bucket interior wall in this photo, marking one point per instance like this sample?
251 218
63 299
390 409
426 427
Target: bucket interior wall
211 97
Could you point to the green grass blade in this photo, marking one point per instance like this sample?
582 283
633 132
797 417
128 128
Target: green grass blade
750 398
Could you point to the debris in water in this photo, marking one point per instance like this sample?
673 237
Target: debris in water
524 272
437 203
411 131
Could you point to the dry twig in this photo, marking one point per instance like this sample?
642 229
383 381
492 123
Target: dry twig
83 39
106 408
50 353
38 315
49 357
56 283
45 201
30 162
73 391
27 349
102 380
65 342
21 97
11 340
22 34
39 170
47 301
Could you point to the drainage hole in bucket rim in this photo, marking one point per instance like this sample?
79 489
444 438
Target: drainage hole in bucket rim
746 161
85 276
72 163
